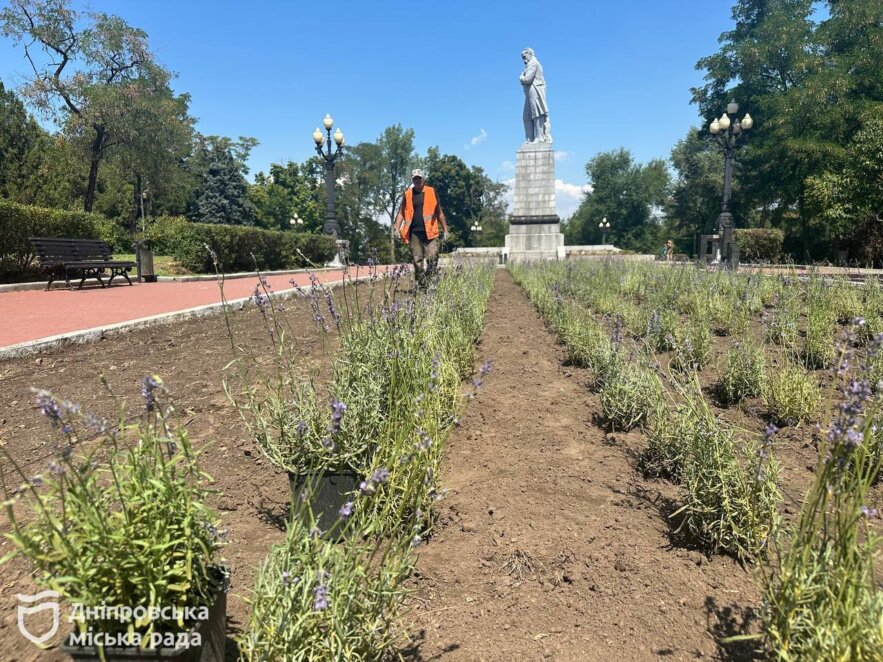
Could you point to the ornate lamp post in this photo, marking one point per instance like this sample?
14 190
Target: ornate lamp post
604 225
476 226
727 131
330 155
297 222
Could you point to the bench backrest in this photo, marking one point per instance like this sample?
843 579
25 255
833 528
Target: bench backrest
57 251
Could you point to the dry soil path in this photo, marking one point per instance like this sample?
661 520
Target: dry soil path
549 544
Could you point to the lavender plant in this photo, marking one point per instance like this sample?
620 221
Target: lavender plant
630 397
121 522
822 600
317 600
791 395
728 489
743 373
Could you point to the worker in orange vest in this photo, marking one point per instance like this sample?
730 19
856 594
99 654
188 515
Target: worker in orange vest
417 221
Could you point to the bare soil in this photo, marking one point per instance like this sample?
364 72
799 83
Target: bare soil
550 545
190 357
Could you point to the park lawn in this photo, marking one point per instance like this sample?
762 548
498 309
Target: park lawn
163 265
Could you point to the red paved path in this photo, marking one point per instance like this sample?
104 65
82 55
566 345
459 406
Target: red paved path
36 314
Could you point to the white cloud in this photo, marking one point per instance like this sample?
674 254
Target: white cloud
560 154
507 166
567 196
477 140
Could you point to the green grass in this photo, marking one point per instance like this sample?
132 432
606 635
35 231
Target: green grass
163 265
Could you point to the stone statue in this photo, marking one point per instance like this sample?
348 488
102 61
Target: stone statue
536 111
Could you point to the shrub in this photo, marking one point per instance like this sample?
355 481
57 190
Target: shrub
234 246
822 600
791 395
630 397
730 502
818 348
123 524
759 244
743 373
692 352
18 222
318 600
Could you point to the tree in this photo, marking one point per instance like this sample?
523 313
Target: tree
460 191
19 134
697 191
288 190
359 176
89 73
628 194
221 194
397 157
808 87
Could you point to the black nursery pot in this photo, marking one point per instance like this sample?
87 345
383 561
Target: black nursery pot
212 633
326 493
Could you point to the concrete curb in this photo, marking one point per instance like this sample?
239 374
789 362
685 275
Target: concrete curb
23 287
100 332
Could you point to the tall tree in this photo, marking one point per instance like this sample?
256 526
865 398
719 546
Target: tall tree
460 191
221 194
88 72
629 194
19 134
287 190
397 157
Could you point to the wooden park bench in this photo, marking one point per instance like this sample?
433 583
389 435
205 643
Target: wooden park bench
88 258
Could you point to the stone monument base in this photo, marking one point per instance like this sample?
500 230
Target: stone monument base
529 242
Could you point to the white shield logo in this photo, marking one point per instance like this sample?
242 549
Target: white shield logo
23 611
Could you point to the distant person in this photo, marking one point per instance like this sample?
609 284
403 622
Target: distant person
417 221
669 250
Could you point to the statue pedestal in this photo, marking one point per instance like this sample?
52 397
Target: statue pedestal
534 227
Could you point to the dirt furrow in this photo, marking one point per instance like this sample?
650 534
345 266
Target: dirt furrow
549 544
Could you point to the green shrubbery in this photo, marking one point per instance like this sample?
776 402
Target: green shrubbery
759 244
18 222
234 246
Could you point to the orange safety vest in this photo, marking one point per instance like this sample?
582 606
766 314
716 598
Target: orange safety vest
430 220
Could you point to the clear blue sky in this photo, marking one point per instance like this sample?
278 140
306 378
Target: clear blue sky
618 73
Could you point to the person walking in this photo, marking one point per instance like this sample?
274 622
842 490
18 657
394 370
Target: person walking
417 221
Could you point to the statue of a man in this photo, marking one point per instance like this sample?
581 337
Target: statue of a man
536 111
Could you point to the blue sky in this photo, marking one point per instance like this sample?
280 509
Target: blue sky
618 73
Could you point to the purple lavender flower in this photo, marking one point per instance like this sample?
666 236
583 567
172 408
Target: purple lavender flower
320 597
261 300
56 469
148 387
424 443
332 309
96 423
485 368
49 407
416 540
770 430
369 487
346 510
337 410
870 513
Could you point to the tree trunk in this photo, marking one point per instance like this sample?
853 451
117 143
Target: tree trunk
96 152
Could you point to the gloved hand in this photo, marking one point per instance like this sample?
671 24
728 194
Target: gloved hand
445 238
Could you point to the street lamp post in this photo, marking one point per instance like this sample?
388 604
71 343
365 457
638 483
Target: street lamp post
728 130
297 222
604 225
330 155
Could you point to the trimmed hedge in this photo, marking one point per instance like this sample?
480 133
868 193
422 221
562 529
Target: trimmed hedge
18 222
176 236
759 244
235 245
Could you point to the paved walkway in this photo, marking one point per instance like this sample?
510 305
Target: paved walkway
33 315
